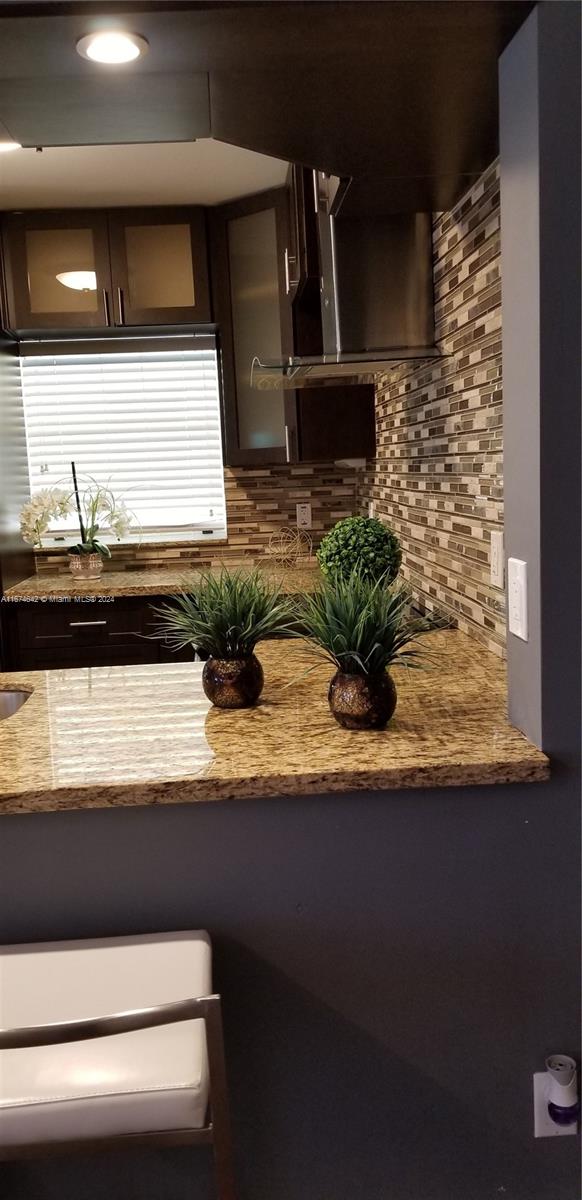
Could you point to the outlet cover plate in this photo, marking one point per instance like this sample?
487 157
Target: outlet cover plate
303 516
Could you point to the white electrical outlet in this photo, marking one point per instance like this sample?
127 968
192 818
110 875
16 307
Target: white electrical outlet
371 508
543 1124
497 565
303 516
517 597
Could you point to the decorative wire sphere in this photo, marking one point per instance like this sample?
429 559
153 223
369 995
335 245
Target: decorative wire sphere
288 545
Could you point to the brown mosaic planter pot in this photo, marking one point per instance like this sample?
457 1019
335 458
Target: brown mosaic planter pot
85 566
362 702
233 683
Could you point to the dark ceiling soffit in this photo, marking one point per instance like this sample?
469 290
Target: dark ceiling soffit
274 91
106 111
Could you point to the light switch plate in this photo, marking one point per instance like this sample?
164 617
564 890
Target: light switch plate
517 597
497 565
303 516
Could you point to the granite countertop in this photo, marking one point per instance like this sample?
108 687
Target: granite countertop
98 737
154 582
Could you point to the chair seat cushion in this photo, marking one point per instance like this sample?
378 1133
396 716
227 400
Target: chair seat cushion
141 1082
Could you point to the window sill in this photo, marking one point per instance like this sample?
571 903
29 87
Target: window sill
153 540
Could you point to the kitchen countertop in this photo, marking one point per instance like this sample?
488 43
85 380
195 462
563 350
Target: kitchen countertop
138 735
154 582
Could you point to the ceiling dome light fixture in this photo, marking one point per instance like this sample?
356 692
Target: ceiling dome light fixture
113 46
6 146
81 281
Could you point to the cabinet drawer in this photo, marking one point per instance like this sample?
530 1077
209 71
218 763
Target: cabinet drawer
93 634
43 626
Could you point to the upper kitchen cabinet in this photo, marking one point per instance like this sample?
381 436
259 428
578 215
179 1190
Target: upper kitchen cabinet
249 254
75 270
57 269
266 294
159 266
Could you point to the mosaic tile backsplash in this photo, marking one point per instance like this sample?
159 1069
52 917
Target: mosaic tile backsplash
258 502
437 479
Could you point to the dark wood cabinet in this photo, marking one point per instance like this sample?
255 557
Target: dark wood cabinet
336 422
248 247
80 269
106 632
149 267
58 271
265 285
159 266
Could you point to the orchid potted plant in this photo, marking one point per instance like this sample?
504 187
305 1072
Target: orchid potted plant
98 512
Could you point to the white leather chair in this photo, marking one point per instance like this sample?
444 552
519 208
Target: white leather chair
112 1042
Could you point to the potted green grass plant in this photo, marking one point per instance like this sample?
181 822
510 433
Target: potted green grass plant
223 616
364 628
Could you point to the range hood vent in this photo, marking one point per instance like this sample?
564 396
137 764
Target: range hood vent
317 370
375 296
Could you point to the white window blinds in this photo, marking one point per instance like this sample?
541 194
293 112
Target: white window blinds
147 423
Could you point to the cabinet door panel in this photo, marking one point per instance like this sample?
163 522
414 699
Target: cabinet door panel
159 266
160 272
254 297
337 422
57 270
249 239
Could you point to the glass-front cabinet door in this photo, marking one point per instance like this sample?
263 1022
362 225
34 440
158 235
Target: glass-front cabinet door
249 252
159 266
57 269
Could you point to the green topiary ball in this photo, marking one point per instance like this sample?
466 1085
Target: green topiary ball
361 543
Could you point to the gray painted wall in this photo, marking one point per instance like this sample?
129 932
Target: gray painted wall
540 240
520 275
394 968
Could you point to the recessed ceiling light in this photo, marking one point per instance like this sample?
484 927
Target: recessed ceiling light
6 146
114 46
81 281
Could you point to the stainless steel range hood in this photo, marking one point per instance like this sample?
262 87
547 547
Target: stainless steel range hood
376 295
317 370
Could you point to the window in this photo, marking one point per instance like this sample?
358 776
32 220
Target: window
145 422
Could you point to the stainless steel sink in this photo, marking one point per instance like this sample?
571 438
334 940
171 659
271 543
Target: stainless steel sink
10 702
